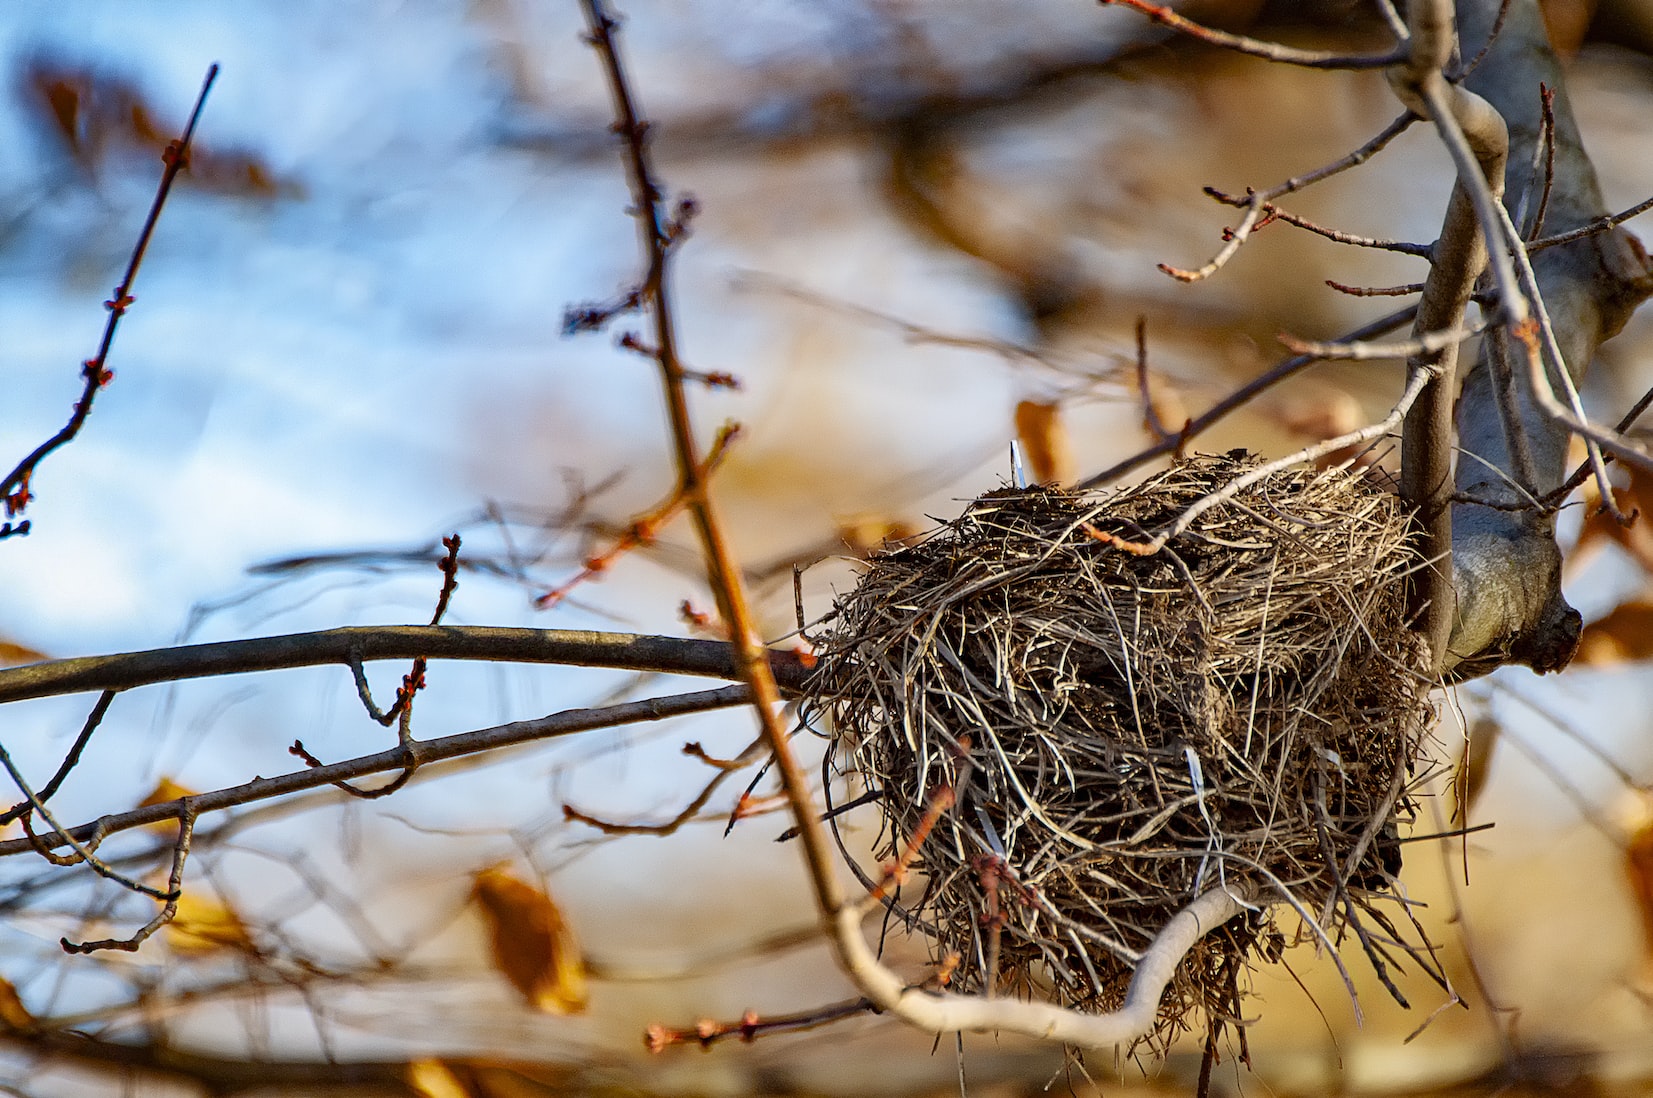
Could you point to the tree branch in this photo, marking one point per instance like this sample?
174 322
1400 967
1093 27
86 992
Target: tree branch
1457 261
353 645
1506 564
424 752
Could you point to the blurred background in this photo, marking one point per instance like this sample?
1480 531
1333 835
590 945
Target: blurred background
921 222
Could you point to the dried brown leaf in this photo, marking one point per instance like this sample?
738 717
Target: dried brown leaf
1623 636
12 654
1637 538
430 1078
166 790
866 534
533 946
205 925
13 1014
1321 413
1638 864
1045 442
483 1078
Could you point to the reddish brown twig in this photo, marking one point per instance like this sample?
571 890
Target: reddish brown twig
941 799
724 768
400 711
1546 97
1273 51
1405 290
708 1032
95 374
1272 213
1150 414
1135 548
723 571
645 528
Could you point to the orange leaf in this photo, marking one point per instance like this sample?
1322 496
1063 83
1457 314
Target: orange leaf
483 1078
1624 635
1045 441
435 1079
1636 538
866 534
204 925
166 790
13 1014
12 654
533 946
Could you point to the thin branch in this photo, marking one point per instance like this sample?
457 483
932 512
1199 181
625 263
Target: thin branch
175 883
1582 473
708 1032
355 644
1234 237
1271 212
1415 385
456 746
1239 398
1404 290
723 571
1253 47
1359 351
1150 414
58 837
95 374
725 769
1353 160
1595 227
93 719
956 1013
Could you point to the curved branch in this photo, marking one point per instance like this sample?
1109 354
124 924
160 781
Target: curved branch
945 1013
1476 136
357 644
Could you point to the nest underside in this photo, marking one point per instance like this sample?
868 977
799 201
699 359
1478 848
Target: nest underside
1122 731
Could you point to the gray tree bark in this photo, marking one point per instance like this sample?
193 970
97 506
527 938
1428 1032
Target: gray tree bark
1506 565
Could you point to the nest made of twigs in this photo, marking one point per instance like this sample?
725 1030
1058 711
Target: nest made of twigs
1115 732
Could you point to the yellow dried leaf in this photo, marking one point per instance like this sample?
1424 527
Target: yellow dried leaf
866 534
204 925
1045 442
165 791
483 1078
1622 636
435 1079
533 946
1638 863
13 1014
1566 22
1634 500
12 654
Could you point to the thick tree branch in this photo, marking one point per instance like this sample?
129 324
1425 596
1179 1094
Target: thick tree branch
354 645
1506 564
1458 258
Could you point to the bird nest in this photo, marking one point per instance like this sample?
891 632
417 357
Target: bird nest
1072 737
